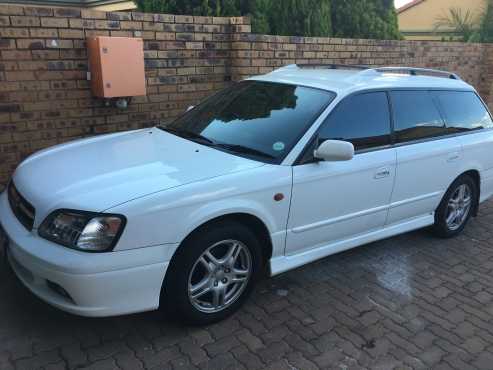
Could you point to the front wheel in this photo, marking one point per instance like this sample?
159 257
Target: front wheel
213 273
456 208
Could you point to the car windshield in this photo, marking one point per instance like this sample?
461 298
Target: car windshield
255 119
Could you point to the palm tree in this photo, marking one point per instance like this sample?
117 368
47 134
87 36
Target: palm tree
463 24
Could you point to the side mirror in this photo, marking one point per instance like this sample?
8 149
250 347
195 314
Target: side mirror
190 108
335 151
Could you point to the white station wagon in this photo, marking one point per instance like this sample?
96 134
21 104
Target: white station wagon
268 175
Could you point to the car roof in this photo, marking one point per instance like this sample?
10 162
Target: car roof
348 79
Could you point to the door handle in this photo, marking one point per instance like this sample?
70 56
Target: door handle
453 157
382 173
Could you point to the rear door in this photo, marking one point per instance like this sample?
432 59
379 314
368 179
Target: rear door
466 114
428 158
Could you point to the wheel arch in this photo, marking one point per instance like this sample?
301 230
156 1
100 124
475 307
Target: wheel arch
253 222
476 176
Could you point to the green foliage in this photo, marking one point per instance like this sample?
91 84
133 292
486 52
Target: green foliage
193 7
342 18
260 11
486 24
365 19
301 17
466 26
463 24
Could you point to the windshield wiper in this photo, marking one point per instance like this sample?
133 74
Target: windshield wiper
187 135
244 150
240 149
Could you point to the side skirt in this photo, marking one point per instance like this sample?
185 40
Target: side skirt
282 264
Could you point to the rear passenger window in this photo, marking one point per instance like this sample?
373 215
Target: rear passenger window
363 120
463 111
416 116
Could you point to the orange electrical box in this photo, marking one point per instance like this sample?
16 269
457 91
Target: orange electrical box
117 66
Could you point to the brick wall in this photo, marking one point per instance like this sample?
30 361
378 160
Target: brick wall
45 98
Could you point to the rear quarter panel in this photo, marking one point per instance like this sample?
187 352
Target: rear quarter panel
477 149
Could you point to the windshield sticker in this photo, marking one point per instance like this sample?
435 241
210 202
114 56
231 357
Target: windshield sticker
279 146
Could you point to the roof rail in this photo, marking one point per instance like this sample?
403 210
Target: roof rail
333 66
412 71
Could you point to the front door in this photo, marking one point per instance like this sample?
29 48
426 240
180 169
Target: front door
333 201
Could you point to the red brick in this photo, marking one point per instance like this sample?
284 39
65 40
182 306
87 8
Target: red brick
71 34
4 21
33 65
203 20
34 85
43 32
221 20
11 9
147 17
119 16
165 36
32 44
14 32
59 44
38 11
45 54
120 33
107 25
152 26
67 12
54 22
7 44
20 76
130 25
16 55
24 21
8 66
92 14
82 23
183 19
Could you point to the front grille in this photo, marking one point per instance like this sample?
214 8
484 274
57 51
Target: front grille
22 209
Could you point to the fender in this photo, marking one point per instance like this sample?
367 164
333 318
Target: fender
210 211
168 217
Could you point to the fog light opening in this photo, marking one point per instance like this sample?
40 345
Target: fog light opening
59 290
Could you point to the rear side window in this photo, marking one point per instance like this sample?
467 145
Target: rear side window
416 116
463 111
363 120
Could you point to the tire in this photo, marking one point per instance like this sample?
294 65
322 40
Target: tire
445 225
212 275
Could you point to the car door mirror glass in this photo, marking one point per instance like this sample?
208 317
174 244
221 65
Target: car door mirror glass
335 151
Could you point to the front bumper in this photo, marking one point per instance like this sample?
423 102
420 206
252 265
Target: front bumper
93 284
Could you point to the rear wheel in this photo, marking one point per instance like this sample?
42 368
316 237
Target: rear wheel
212 273
456 207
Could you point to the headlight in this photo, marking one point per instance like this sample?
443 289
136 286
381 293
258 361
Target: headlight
86 231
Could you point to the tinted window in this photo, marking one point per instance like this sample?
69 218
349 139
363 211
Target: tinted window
256 119
363 120
416 116
463 111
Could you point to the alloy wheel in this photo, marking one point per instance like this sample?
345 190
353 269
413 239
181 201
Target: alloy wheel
219 276
458 207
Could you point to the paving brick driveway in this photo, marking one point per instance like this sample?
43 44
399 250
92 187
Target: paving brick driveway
410 302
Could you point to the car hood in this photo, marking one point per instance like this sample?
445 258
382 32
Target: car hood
99 173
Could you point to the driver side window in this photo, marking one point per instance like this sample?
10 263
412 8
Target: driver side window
363 120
